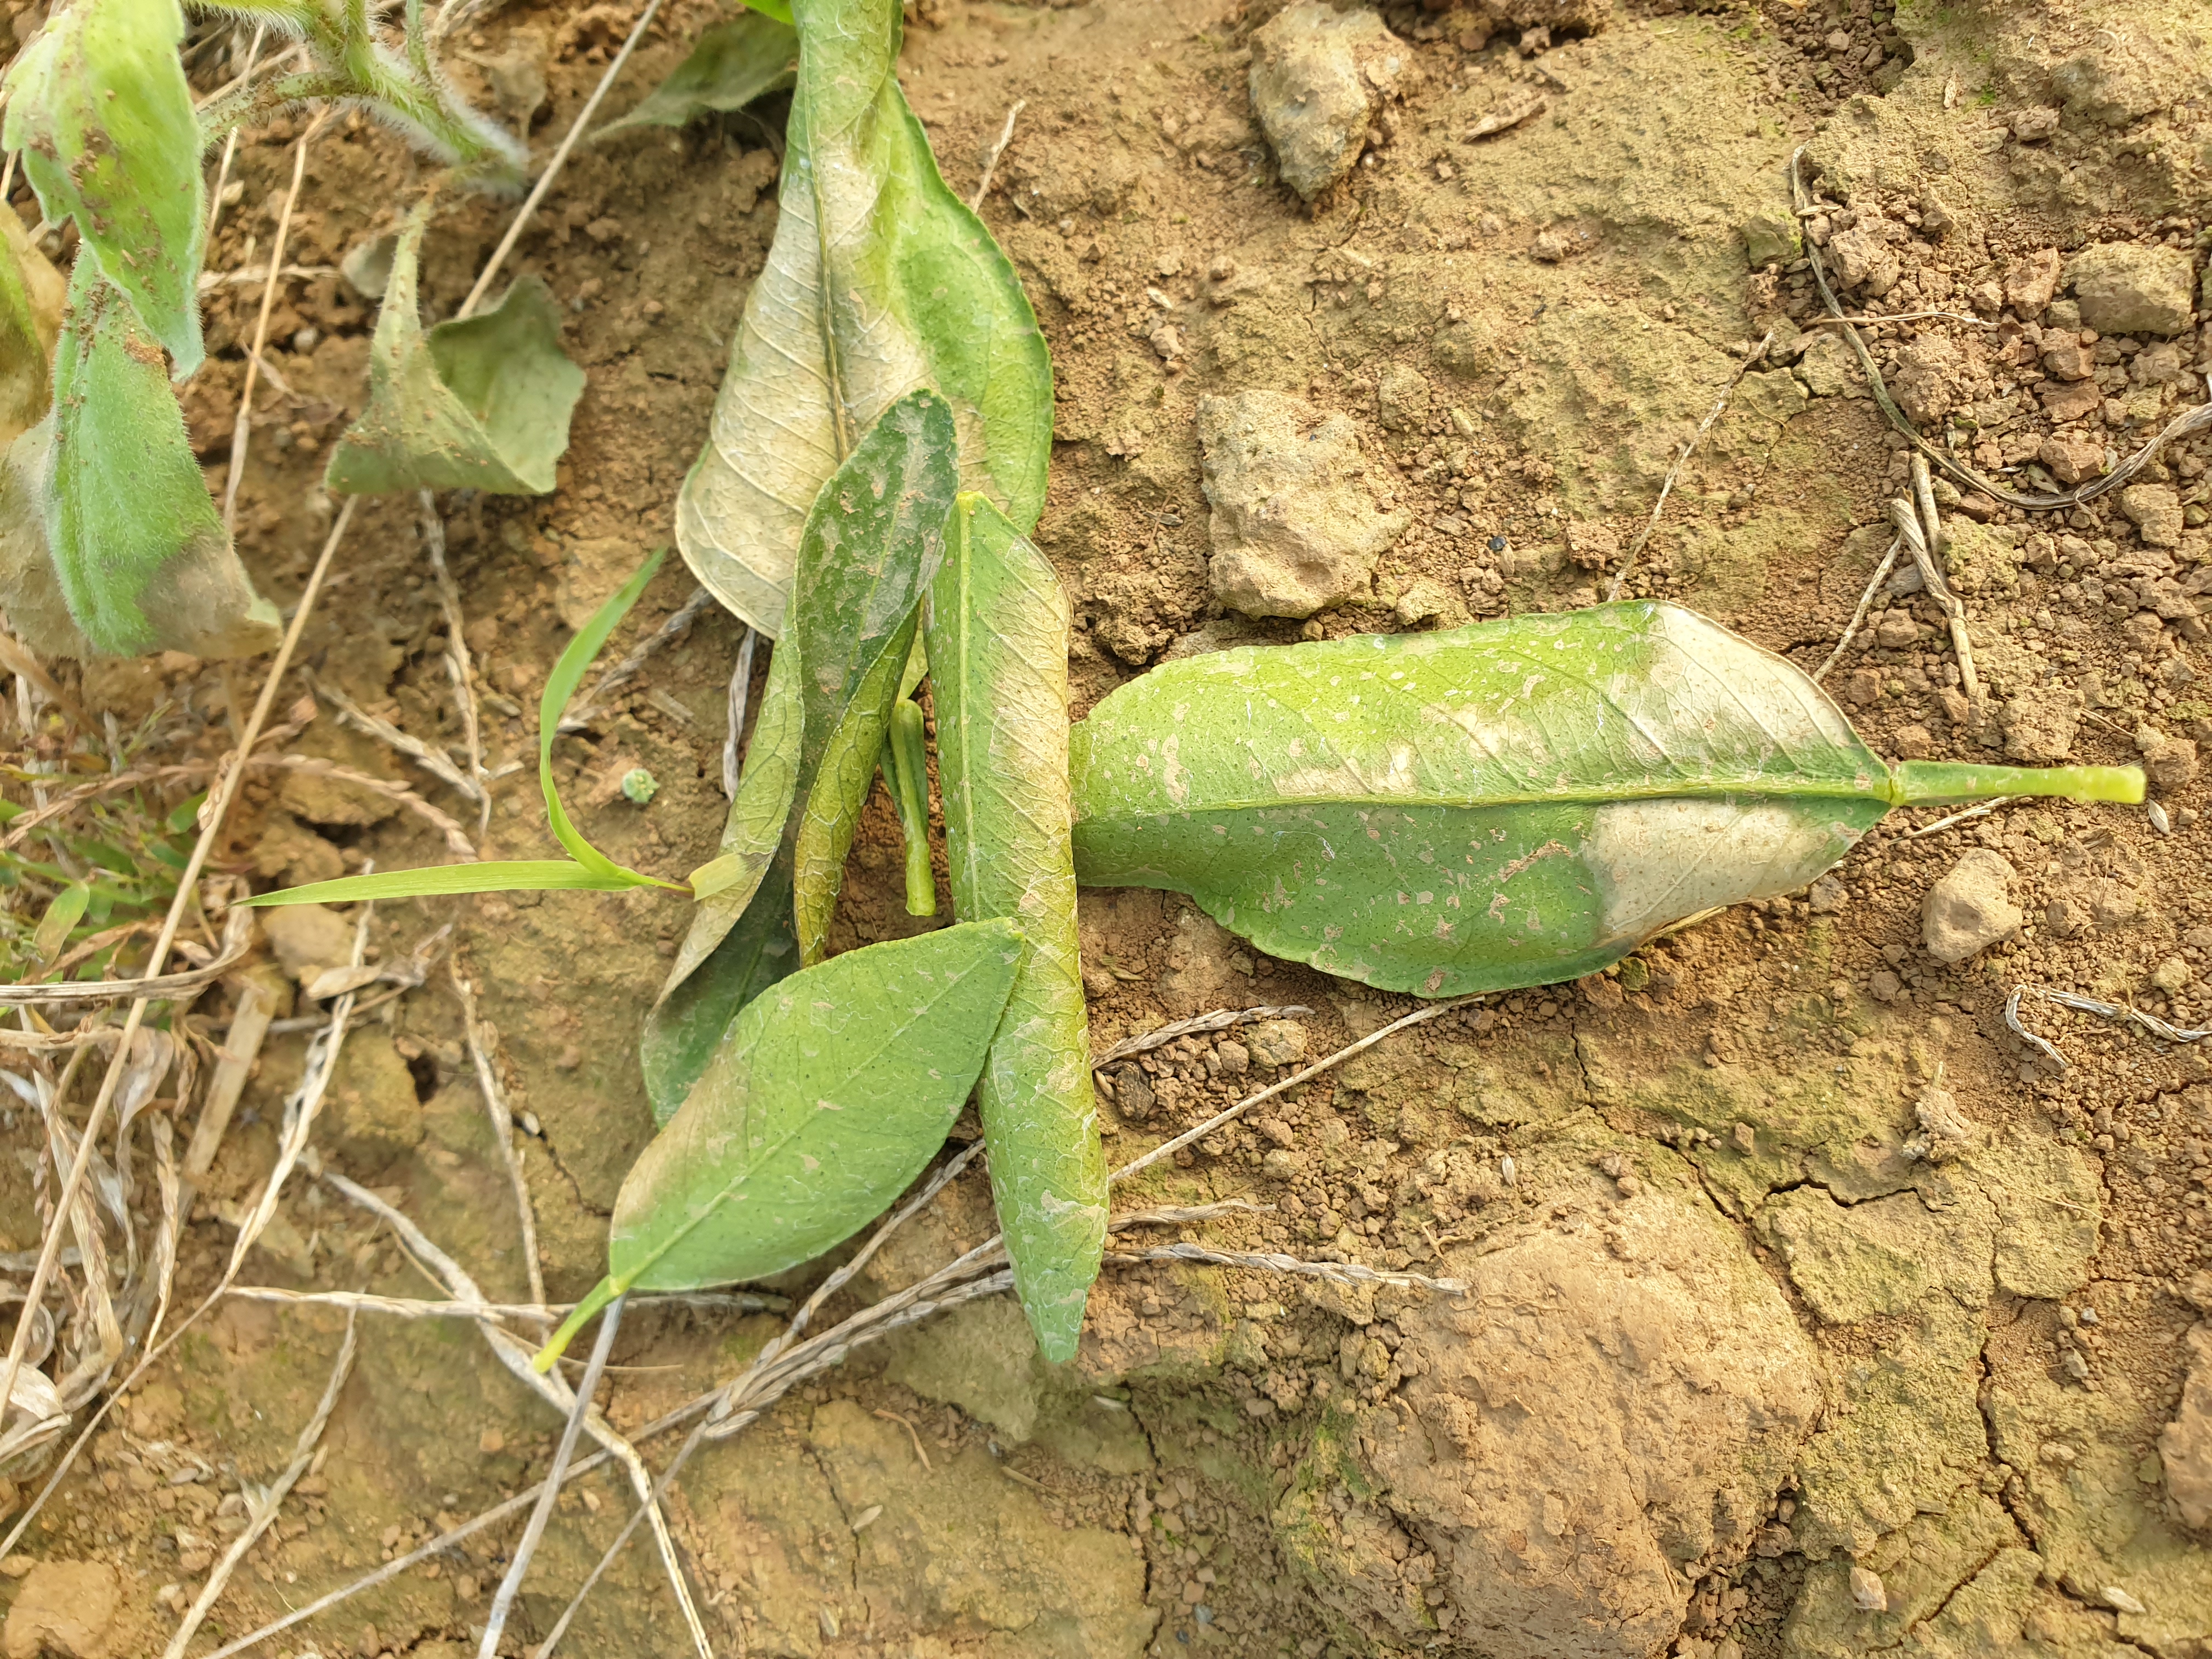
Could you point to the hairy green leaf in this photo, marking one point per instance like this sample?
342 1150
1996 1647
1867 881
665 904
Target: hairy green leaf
137 549
823 1100
478 402
880 280
998 657
733 63
32 294
98 104
874 540
1512 803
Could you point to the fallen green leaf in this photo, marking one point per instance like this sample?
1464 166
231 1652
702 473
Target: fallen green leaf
479 402
998 656
880 280
733 63
98 107
871 543
136 549
823 1100
1512 803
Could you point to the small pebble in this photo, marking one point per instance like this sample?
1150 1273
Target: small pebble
2158 821
1868 1595
1506 1171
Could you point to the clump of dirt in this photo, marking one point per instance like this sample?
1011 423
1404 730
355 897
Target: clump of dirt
1813 1312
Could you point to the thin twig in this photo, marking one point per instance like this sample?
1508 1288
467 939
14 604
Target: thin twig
553 168
1901 317
458 667
1220 1020
502 1126
1343 1272
502 1601
238 943
2151 1022
1756 354
1866 601
1981 810
408 1307
741 686
241 1047
213 815
991 162
263 1511
2193 420
241 434
1924 534
643 652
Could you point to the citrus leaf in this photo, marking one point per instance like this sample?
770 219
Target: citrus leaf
478 402
31 296
880 280
733 63
1517 803
824 1099
137 549
998 656
484 876
874 540
98 107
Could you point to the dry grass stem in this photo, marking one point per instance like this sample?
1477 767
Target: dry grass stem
408 1307
997 152
481 1039
1220 1020
1900 317
594 704
1752 359
1343 1272
237 944
1866 602
502 1601
537 191
2152 1024
2195 419
212 817
435 762
1951 820
458 667
261 1513
241 433
242 1046
1923 532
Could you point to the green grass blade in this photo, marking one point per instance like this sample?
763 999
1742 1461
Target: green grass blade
560 686
490 876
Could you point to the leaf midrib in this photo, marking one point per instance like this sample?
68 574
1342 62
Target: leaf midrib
1883 789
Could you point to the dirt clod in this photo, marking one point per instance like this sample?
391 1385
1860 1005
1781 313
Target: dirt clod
1971 908
64 1608
1316 74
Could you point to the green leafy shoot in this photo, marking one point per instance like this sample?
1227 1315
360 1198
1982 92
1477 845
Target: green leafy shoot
732 65
1513 803
98 107
824 1100
585 869
123 868
478 403
62 916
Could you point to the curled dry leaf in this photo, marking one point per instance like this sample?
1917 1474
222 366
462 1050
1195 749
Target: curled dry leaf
733 63
998 655
478 403
98 107
134 547
880 281
823 1100
1512 803
871 543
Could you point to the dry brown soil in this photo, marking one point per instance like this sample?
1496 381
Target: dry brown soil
1741 1325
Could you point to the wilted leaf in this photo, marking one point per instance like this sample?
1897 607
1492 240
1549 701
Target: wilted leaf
137 550
825 1099
98 107
1512 803
998 659
871 543
479 402
879 280
733 63
31 295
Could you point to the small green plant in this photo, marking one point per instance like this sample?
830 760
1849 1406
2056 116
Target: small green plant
84 885
108 542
